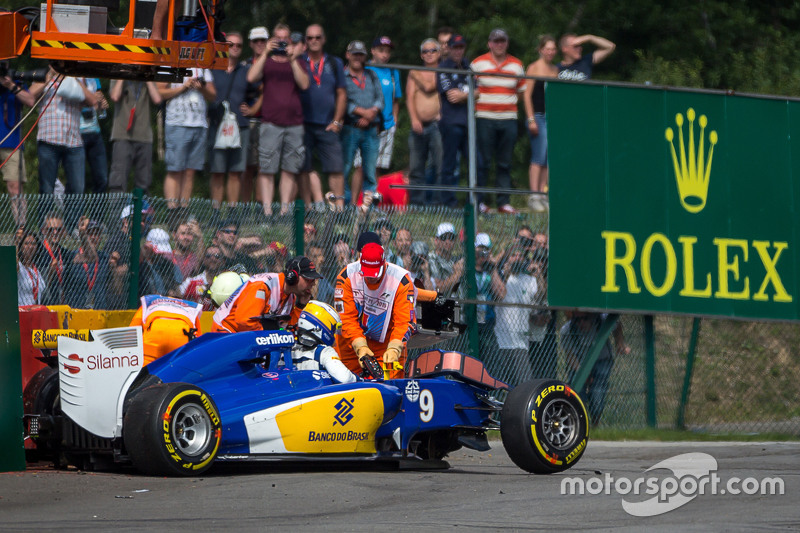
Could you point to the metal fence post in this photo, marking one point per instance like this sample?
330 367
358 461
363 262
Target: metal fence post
299 227
680 422
650 369
470 310
471 139
12 451
582 375
136 238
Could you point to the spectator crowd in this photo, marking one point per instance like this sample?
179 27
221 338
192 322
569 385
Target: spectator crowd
272 127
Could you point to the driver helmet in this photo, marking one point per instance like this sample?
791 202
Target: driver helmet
224 285
318 323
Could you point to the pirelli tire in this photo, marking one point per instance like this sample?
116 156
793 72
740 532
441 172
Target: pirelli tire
172 429
544 426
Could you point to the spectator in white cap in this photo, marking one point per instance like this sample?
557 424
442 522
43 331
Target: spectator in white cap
446 271
491 288
158 239
258 44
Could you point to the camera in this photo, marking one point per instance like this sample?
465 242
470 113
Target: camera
27 76
377 198
280 50
87 113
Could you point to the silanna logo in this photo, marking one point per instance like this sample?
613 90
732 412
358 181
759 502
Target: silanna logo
101 362
72 369
692 170
344 415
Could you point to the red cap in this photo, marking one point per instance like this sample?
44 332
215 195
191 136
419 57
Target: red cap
371 260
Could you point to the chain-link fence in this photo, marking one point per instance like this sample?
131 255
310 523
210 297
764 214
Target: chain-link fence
742 375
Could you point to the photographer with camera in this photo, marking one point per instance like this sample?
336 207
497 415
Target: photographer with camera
513 323
281 133
491 288
12 163
59 138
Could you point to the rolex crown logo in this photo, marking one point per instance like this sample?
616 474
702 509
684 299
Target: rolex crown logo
692 171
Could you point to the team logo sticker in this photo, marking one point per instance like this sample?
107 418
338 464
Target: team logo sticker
343 415
270 375
412 391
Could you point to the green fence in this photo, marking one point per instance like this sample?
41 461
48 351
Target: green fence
743 377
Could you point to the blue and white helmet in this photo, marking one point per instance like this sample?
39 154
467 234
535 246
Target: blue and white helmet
318 324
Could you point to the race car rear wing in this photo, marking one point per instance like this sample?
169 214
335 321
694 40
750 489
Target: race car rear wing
438 362
95 376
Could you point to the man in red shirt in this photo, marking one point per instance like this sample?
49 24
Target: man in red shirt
281 132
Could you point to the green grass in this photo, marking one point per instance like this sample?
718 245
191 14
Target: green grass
666 435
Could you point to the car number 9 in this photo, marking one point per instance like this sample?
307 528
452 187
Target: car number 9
425 405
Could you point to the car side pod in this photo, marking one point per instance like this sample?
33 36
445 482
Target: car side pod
544 426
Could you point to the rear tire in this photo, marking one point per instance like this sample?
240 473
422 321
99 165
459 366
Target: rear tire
172 429
544 426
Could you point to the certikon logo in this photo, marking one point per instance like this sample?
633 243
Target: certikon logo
692 475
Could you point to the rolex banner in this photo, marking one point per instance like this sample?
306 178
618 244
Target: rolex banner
673 201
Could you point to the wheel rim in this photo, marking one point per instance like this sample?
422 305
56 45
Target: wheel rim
560 423
191 429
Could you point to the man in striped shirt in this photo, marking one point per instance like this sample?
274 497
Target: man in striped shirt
496 114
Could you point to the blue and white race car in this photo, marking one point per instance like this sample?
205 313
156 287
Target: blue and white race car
237 397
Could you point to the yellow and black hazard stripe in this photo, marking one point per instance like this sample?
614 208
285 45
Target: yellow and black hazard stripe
222 54
108 47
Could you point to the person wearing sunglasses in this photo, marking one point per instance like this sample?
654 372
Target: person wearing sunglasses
232 88
445 269
194 288
496 115
227 239
324 104
424 140
577 66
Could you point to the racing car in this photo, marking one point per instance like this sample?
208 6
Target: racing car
237 397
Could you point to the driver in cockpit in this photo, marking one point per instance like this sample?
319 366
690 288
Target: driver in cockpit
315 337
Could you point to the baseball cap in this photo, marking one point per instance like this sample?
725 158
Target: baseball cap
304 266
357 47
457 40
159 240
482 239
259 32
366 238
498 33
445 228
382 41
372 260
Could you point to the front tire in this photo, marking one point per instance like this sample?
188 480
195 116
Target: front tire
172 429
544 426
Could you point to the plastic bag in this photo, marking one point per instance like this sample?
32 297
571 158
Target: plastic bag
228 131
71 90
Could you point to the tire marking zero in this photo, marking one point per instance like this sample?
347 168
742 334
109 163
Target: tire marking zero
425 405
